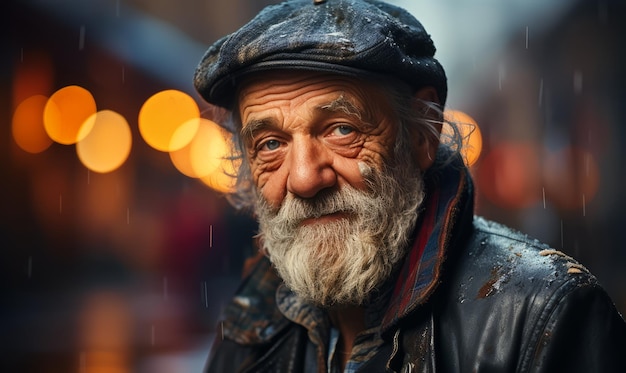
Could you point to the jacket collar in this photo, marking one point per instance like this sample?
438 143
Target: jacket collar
447 214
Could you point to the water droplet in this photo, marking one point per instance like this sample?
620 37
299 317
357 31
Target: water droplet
81 38
578 82
164 288
541 97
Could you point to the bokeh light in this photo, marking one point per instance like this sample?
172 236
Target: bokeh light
107 144
162 116
571 177
105 333
27 125
204 153
509 175
470 133
224 178
65 113
33 75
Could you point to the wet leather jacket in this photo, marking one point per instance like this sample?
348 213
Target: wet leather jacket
494 301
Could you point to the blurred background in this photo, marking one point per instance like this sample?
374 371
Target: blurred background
119 248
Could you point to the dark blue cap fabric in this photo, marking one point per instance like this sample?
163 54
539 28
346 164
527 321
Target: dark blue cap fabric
353 37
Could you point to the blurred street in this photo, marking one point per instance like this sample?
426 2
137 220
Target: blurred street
123 262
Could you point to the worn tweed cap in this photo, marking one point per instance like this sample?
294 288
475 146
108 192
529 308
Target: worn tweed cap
351 37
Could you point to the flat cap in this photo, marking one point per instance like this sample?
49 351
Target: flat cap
350 37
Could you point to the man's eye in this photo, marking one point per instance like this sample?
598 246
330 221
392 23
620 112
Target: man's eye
270 145
343 130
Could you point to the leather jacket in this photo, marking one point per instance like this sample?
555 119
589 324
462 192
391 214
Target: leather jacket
494 300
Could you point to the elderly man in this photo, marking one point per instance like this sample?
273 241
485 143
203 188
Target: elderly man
373 259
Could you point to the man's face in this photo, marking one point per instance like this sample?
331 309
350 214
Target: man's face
307 133
337 203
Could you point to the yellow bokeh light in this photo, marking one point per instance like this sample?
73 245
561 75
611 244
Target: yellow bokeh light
27 125
184 134
162 115
107 144
470 133
204 153
181 160
224 178
65 113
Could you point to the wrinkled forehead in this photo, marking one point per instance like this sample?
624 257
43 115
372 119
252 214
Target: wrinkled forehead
362 93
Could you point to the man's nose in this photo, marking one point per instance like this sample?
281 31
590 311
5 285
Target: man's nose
310 169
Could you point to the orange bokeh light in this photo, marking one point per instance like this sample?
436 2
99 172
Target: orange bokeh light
27 125
161 117
65 113
107 144
224 178
33 75
105 333
470 133
509 175
204 153
571 177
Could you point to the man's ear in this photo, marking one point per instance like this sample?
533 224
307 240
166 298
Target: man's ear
426 143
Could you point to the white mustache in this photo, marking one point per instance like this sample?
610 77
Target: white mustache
331 201
294 210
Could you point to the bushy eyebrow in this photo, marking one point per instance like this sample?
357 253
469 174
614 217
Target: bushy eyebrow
254 126
342 105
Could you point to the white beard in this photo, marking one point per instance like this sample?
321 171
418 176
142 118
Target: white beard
341 262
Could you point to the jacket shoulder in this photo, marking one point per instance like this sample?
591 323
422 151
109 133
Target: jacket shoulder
515 304
515 257
499 263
